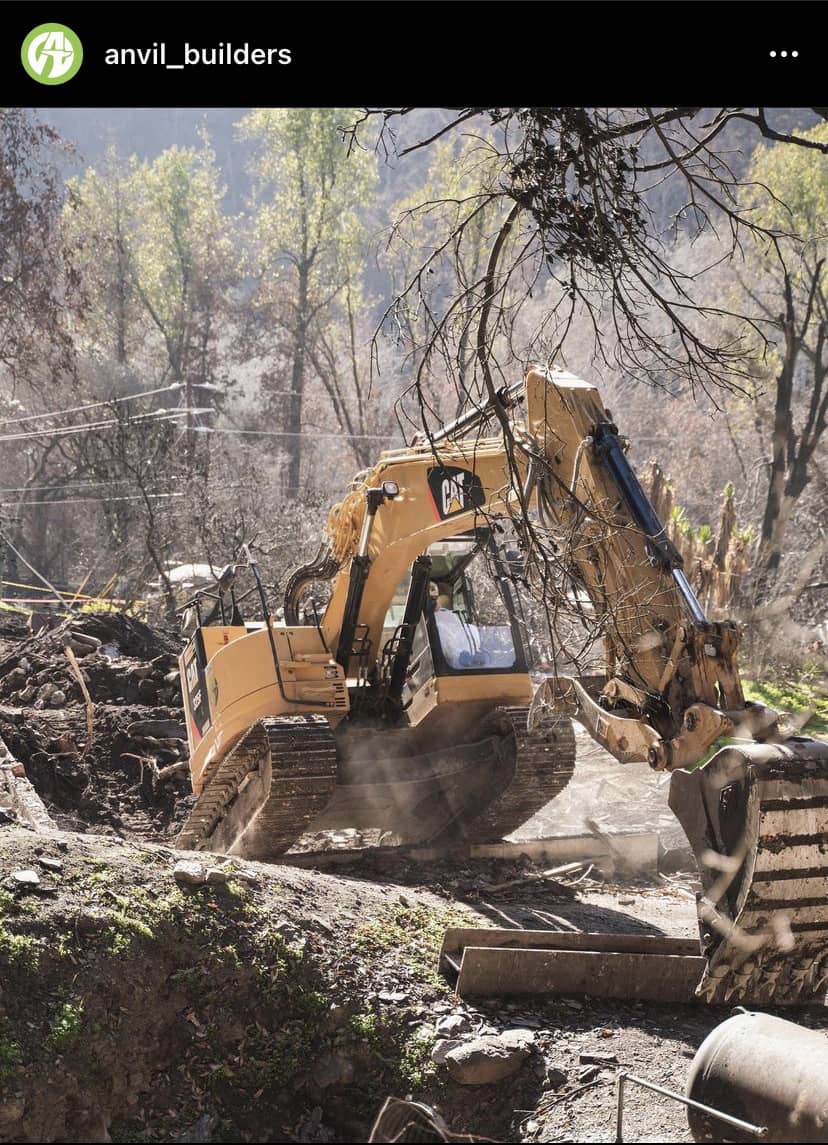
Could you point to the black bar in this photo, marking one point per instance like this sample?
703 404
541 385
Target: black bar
608 448
357 577
414 606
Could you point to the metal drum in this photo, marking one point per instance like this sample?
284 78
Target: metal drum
763 1070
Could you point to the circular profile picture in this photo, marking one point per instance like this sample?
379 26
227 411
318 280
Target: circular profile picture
51 53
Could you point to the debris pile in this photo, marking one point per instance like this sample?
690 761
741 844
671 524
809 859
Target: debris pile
91 707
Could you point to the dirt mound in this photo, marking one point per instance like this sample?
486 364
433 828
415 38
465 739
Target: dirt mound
129 776
137 1007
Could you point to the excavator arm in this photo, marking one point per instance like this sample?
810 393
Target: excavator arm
756 813
672 685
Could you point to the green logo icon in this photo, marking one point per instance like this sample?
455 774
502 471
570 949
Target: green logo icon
51 53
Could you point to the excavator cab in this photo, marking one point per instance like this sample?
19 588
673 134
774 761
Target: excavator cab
470 624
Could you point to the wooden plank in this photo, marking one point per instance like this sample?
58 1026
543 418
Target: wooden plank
457 938
597 974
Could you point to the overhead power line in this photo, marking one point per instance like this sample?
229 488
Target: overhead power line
90 500
292 433
94 426
174 386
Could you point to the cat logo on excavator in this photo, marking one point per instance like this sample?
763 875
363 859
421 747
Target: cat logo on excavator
453 490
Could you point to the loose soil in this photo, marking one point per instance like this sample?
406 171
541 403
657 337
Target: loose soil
276 1003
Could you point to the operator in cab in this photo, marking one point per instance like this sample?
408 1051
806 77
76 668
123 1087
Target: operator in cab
459 640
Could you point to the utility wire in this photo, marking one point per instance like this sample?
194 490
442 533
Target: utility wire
291 433
89 500
89 427
92 405
31 568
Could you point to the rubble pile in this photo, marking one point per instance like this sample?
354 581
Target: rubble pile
110 673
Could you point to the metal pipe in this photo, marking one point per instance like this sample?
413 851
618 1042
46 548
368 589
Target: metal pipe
690 598
759 1131
765 1067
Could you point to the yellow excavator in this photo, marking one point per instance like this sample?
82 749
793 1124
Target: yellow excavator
407 703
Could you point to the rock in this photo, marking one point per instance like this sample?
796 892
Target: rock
572 1003
27 694
293 937
486 1060
442 1048
57 699
337 1015
555 1077
216 876
331 1069
598 1059
626 900
531 1126
201 1130
393 996
50 864
189 871
453 1025
519 1036
11 1110
320 923
44 692
26 878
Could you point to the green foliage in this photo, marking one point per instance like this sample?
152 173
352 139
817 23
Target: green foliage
791 192
796 699
158 255
10 1052
416 933
406 1054
66 1027
18 949
310 194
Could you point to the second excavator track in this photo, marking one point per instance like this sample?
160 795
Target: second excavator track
544 765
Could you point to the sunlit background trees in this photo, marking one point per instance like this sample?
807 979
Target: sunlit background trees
209 323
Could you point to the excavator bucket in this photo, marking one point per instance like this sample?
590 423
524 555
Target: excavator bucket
756 816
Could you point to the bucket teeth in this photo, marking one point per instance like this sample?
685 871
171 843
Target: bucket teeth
766 805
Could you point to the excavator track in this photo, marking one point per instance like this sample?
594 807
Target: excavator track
762 810
544 765
263 794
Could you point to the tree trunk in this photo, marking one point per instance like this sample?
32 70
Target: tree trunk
293 422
